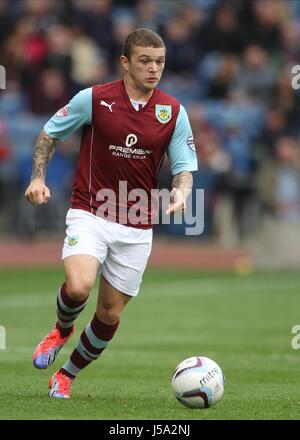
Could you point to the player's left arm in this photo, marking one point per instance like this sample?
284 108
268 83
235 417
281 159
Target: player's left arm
182 185
183 160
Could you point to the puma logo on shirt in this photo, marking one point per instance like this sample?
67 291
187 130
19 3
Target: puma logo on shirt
107 105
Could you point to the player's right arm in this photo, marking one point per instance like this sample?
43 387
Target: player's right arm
37 192
77 113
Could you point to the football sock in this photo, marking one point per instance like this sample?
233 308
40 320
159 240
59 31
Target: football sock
92 342
67 311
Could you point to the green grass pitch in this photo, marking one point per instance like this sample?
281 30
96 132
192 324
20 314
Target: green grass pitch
243 323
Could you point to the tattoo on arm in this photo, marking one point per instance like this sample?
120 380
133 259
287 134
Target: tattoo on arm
183 180
43 153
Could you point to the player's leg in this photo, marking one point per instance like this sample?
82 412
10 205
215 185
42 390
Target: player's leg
93 340
122 273
83 249
111 303
97 334
80 276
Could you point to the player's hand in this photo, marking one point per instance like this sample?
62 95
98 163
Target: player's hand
178 201
37 192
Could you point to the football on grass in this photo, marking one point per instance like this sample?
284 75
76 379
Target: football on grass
198 382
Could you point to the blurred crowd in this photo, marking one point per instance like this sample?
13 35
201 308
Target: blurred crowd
228 62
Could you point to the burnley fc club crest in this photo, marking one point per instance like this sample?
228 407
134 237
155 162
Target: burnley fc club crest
73 240
163 113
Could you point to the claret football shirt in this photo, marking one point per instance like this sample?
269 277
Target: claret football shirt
122 149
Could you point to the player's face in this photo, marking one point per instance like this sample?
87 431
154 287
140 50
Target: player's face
145 66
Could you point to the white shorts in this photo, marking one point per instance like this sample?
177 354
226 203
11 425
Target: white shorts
122 251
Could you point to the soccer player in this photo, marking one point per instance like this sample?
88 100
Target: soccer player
128 127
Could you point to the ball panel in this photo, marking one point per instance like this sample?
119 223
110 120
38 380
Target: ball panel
190 363
204 394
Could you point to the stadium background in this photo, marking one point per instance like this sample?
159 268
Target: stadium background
229 63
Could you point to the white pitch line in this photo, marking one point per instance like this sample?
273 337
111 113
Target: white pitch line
167 288
24 300
17 300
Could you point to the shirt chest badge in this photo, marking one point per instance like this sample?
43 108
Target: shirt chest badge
163 113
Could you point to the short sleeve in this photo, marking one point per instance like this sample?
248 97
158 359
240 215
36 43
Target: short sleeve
68 119
181 150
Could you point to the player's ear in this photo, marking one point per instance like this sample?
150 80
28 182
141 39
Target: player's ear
124 61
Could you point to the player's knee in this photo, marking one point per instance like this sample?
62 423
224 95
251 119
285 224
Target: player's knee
109 316
78 290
